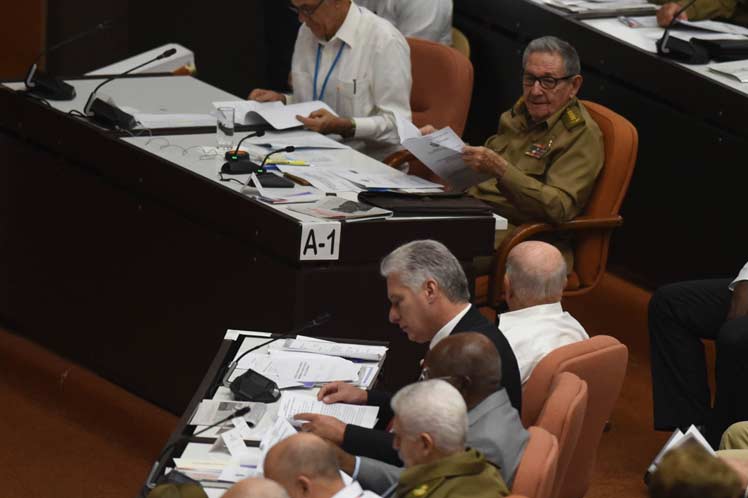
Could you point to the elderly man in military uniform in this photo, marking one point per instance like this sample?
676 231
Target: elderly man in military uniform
734 11
548 151
430 427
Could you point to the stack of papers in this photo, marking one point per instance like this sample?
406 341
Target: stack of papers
276 114
677 439
610 7
737 70
354 351
291 369
211 411
336 208
292 403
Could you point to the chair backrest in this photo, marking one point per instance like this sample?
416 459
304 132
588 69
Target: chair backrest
621 146
460 42
537 470
562 416
442 85
601 362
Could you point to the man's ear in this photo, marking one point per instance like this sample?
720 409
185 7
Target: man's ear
576 84
304 484
427 443
431 289
507 285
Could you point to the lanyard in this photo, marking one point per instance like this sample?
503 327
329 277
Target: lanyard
327 78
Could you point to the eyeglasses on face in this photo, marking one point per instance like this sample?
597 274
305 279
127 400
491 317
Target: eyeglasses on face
546 82
305 10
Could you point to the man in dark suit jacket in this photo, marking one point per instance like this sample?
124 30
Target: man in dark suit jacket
430 300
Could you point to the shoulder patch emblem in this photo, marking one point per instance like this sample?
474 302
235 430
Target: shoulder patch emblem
420 490
572 118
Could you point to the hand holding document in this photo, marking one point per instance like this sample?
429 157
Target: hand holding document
276 114
441 152
677 439
292 403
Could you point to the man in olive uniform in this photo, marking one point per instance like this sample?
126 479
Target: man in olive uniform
548 151
430 426
735 11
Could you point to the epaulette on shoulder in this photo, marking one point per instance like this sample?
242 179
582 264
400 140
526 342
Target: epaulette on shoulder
572 117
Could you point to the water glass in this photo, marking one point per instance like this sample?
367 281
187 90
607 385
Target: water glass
225 128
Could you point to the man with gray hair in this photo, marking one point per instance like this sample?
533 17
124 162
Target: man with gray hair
548 151
430 301
430 427
536 324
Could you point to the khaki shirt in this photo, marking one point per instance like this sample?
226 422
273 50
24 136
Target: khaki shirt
734 10
552 165
466 474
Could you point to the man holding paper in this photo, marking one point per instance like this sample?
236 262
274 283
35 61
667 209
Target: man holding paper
548 151
355 62
735 11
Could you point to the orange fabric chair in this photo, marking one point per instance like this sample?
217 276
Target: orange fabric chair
593 228
537 469
601 362
562 416
440 96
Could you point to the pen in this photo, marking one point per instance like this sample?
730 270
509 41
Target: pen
288 162
627 21
354 86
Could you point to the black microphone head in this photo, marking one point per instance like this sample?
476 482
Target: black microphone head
259 133
241 412
168 53
290 148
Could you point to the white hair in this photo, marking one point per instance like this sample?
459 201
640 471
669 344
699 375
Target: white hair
435 407
420 260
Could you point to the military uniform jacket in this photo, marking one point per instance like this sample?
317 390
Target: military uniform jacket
465 474
733 10
552 167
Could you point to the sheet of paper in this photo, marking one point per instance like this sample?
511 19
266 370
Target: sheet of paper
356 351
716 26
243 108
324 179
234 442
737 70
313 368
292 403
389 180
263 364
280 430
405 128
277 115
211 411
441 151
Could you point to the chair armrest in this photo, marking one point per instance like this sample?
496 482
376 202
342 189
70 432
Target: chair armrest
528 230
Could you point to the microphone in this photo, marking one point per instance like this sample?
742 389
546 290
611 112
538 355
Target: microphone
253 386
681 50
167 449
108 114
239 155
271 180
49 87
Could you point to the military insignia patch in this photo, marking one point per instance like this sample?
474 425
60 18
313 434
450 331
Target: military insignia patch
571 118
420 490
538 150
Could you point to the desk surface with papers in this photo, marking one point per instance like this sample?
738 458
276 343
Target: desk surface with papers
139 226
220 456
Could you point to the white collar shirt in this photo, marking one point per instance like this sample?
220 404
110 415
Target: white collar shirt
448 327
354 490
536 331
743 275
370 82
427 19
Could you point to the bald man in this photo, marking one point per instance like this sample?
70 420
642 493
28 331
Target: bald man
307 467
536 324
256 487
470 363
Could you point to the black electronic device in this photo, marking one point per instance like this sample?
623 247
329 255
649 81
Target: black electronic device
252 386
48 87
240 155
108 114
681 50
269 180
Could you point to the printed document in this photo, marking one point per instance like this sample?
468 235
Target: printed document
356 351
300 367
276 114
292 403
281 430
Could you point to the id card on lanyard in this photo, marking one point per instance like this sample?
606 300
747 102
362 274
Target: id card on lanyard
321 94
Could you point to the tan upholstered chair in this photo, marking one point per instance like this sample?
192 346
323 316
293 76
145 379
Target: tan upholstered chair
460 42
537 469
593 228
601 362
563 416
441 94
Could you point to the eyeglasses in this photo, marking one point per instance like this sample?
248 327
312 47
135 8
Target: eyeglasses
305 11
546 82
426 375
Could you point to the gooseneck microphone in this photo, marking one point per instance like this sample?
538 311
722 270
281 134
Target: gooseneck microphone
238 155
680 50
253 386
43 85
108 114
271 180
167 449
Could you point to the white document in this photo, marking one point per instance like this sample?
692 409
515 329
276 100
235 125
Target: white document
210 411
313 368
356 351
292 403
389 180
281 430
324 179
441 151
716 26
277 115
155 121
233 441
677 439
263 364
737 70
